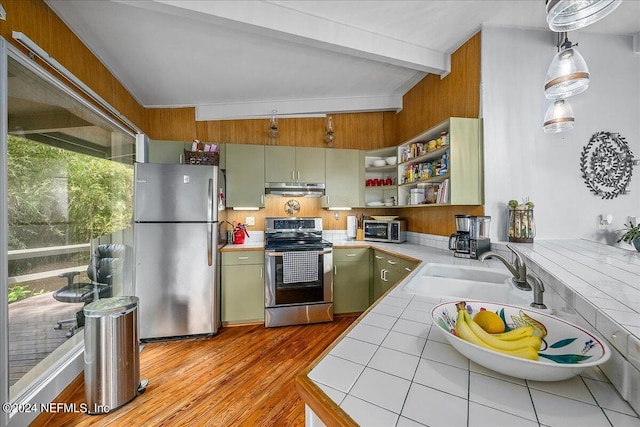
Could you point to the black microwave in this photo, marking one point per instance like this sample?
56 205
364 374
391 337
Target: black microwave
394 231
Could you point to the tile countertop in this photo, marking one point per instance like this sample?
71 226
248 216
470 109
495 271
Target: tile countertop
394 368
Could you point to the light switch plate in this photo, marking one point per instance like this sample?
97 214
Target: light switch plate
250 220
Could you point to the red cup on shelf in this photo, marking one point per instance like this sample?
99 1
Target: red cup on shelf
369 182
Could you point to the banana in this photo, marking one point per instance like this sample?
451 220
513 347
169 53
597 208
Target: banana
465 332
515 334
532 341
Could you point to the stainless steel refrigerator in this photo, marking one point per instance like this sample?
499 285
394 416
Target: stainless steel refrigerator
175 246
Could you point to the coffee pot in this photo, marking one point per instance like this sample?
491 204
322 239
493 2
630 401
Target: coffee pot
472 237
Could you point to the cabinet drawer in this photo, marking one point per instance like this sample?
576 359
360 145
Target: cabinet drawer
243 257
399 264
355 254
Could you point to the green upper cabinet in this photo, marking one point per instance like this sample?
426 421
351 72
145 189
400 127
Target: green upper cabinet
345 172
222 150
294 164
245 175
167 151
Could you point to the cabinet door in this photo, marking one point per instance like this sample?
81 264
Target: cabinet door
245 175
242 293
310 164
167 151
391 277
343 179
378 285
280 164
351 280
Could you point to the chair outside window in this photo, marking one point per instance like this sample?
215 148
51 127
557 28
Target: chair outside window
106 263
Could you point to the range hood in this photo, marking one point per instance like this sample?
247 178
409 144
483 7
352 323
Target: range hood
294 189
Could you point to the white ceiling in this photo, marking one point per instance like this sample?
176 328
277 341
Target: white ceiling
234 59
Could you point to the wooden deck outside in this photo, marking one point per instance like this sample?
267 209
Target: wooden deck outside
31 333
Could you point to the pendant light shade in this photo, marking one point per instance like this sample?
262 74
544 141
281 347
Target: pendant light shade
569 15
567 74
559 117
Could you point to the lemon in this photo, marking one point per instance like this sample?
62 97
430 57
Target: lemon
489 321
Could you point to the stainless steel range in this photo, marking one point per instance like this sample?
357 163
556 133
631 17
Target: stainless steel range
299 272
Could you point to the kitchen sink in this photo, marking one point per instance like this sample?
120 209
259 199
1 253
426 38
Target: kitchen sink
450 282
478 274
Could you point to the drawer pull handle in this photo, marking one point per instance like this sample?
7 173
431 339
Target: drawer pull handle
408 269
391 262
243 257
378 257
351 254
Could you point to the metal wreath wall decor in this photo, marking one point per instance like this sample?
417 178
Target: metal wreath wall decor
606 163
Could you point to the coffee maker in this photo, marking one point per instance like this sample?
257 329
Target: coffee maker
472 238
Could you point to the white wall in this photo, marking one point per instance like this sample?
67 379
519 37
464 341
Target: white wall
522 161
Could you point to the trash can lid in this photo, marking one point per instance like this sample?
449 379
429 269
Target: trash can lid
106 306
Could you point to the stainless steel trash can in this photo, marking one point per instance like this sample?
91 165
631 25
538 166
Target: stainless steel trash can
111 353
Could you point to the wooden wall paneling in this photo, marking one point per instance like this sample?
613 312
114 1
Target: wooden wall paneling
438 220
364 131
250 131
30 17
434 99
209 131
305 132
172 124
129 107
389 128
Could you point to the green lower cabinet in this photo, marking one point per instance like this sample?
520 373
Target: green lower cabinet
377 284
387 271
242 288
351 285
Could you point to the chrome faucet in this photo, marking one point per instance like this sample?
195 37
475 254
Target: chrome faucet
521 279
518 269
538 290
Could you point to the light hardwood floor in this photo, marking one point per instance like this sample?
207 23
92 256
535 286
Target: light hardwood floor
244 376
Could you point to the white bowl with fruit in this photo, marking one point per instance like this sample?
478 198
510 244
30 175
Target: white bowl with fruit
517 341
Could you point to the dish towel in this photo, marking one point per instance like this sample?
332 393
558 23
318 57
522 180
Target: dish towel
300 266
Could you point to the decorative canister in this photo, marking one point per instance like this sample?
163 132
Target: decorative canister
522 228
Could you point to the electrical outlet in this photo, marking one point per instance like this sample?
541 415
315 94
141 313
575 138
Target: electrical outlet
605 221
250 220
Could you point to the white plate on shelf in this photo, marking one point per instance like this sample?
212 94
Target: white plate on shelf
375 204
384 217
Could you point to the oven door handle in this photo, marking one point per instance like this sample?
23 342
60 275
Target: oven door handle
281 253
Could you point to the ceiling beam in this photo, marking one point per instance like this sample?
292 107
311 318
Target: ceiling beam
276 21
231 111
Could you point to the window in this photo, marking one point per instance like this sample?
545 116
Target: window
68 178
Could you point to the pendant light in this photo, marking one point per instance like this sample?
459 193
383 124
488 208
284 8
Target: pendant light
567 74
559 117
569 15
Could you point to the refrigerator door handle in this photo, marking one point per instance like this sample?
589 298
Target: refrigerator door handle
210 244
210 202
209 226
